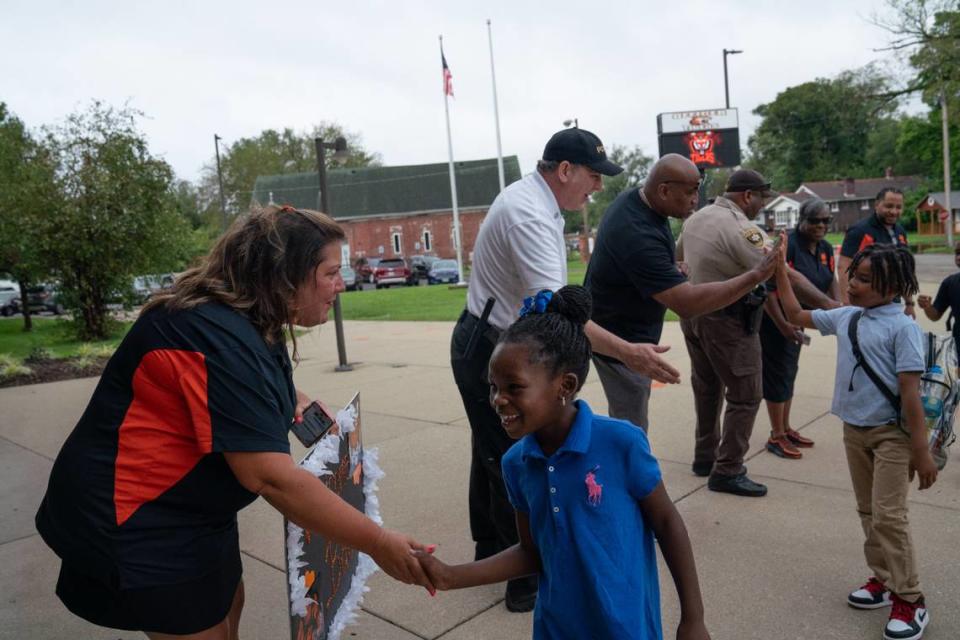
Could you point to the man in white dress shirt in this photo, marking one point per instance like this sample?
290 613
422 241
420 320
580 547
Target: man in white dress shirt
519 251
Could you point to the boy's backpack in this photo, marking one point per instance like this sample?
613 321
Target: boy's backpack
941 353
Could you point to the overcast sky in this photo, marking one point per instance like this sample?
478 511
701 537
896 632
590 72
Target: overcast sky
235 68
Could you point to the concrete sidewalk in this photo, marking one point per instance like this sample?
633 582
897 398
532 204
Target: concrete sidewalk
777 567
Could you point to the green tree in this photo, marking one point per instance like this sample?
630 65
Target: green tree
635 165
117 217
819 130
26 197
272 152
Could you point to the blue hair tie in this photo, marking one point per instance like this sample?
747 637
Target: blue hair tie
537 303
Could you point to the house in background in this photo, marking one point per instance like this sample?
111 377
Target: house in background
932 212
398 211
851 199
782 212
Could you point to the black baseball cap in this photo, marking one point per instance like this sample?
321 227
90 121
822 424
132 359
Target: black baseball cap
750 180
579 146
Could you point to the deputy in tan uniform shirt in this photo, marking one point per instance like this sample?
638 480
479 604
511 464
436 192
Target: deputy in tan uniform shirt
720 242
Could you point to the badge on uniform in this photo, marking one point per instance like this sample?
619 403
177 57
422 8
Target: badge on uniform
753 236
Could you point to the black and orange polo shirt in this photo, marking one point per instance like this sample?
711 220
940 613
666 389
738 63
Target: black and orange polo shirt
140 494
868 231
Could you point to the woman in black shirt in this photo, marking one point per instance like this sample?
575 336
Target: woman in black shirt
810 254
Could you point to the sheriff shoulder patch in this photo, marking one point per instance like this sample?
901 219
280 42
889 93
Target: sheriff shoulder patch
753 236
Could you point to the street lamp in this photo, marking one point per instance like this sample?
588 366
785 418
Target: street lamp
726 86
572 121
339 147
223 204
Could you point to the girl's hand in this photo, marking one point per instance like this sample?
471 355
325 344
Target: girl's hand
437 571
922 463
692 631
394 553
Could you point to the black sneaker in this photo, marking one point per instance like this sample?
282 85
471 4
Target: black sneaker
739 485
702 469
872 595
521 595
907 620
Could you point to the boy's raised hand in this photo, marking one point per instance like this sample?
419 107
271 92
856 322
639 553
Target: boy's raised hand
922 463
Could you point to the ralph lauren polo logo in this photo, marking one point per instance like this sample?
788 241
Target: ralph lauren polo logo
594 490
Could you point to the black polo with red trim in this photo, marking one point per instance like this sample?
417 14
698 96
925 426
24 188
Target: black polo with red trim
868 231
140 494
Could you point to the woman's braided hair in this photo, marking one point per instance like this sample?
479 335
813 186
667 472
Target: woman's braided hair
555 334
892 269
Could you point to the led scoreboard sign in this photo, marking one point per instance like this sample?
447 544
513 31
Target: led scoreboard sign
710 138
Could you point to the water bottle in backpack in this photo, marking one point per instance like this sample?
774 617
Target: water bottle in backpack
933 390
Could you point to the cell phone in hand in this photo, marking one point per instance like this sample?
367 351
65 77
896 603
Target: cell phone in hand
315 424
805 339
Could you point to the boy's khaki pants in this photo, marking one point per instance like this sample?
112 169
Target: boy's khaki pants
879 461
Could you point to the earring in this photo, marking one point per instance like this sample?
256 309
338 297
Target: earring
563 401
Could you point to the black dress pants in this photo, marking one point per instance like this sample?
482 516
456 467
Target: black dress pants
492 522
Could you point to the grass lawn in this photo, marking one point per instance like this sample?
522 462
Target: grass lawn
438 302
925 244
52 334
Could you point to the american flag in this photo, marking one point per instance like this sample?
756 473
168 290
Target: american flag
447 76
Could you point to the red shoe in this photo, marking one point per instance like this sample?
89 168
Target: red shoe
783 447
797 439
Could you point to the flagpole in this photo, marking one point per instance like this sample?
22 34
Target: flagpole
496 111
453 184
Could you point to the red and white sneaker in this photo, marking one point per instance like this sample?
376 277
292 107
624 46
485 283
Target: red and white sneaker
872 595
907 620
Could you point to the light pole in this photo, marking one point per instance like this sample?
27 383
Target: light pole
339 153
726 85
223 203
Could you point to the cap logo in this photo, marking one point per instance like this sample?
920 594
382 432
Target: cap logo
600 148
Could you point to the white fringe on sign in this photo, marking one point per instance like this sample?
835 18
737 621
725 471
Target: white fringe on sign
327 452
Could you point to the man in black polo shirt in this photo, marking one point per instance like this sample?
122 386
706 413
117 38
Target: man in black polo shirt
633 276
948 297
882 227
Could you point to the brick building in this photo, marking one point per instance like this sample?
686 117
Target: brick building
851 199
398 211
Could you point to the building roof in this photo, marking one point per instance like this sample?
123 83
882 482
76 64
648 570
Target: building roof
374 191
795 196
940 198
863 188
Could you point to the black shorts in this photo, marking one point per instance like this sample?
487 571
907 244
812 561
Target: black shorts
781 358
188 607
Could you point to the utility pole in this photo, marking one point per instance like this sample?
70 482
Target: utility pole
946 165
223 203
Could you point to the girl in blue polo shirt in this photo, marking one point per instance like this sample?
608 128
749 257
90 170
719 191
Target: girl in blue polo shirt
884 449
587 492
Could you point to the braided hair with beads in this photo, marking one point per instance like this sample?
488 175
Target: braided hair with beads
892 269
552 327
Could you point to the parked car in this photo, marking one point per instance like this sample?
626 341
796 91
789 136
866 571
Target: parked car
350 278
393 271
421 265
146 286
364 268
443 271
9 300
44 297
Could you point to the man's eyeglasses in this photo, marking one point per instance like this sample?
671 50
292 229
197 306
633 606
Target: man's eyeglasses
826 220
